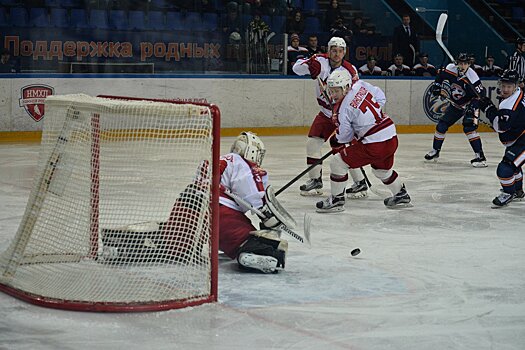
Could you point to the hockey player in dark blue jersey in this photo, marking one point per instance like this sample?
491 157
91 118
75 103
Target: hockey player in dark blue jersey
461 85
509 122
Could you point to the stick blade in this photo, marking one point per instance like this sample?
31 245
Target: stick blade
441 25
307 225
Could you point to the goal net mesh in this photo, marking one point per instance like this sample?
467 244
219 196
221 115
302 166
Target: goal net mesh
119 216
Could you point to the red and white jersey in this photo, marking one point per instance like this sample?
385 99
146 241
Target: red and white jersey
301 68
359 115
243 178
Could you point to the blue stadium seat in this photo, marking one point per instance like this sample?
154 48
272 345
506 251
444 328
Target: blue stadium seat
3 18
71 3
279 24
79 19
211 21
311 5
194 21
11 3
58 18
175 21
53 3
137 20
312 25
162 5
38 17
156 20
18 17
118 20
98 19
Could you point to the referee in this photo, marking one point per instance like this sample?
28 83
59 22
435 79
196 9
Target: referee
517 61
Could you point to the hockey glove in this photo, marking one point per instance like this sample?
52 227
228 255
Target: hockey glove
336 146
435 89
471 117
314 67
485 103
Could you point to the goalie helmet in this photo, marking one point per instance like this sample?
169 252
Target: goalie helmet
337 42
250 147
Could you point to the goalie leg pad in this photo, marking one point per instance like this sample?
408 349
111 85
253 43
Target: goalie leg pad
260 250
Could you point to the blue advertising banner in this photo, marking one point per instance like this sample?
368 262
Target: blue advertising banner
48 49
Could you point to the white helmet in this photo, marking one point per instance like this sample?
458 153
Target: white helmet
340 78
250 147
337 42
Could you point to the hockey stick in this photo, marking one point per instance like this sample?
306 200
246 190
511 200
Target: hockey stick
439 34
243 203
292 181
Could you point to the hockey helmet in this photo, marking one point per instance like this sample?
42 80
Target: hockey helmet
462 57
509 76
519 41
337 42
250 147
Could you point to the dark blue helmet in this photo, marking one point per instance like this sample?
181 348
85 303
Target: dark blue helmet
510 76
520 41
462 57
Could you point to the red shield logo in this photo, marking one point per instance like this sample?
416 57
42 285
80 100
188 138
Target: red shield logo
32 100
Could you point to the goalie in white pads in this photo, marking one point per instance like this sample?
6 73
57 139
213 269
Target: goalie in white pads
242 178
361 121
319 67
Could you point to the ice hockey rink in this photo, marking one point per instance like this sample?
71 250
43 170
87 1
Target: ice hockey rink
448 273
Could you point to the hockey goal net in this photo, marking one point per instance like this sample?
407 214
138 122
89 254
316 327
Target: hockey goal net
123 213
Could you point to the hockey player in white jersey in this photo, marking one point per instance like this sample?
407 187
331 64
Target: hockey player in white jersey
241 176
319 67
372 134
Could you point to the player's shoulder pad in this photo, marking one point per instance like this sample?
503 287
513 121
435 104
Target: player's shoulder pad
451 69
512 102
350 67
472 75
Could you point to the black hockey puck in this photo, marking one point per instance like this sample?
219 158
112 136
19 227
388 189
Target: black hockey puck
355 252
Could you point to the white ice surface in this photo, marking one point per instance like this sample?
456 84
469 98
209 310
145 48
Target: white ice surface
448 273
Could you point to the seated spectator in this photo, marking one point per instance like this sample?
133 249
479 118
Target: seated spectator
490 69
476 67
398 68
231 22
359 28
6 66
332 14
340 30
370 68
423 68
205 6
313 47
295 52
259 7
295 24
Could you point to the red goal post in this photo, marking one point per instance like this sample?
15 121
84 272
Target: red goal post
124 213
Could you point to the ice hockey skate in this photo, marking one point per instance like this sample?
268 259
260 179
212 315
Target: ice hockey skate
312 187
432 155
480 161
400 200
263 263
519 195
502 200
357 190
331 204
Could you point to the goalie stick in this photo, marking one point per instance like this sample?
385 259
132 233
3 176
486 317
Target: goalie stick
243 203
